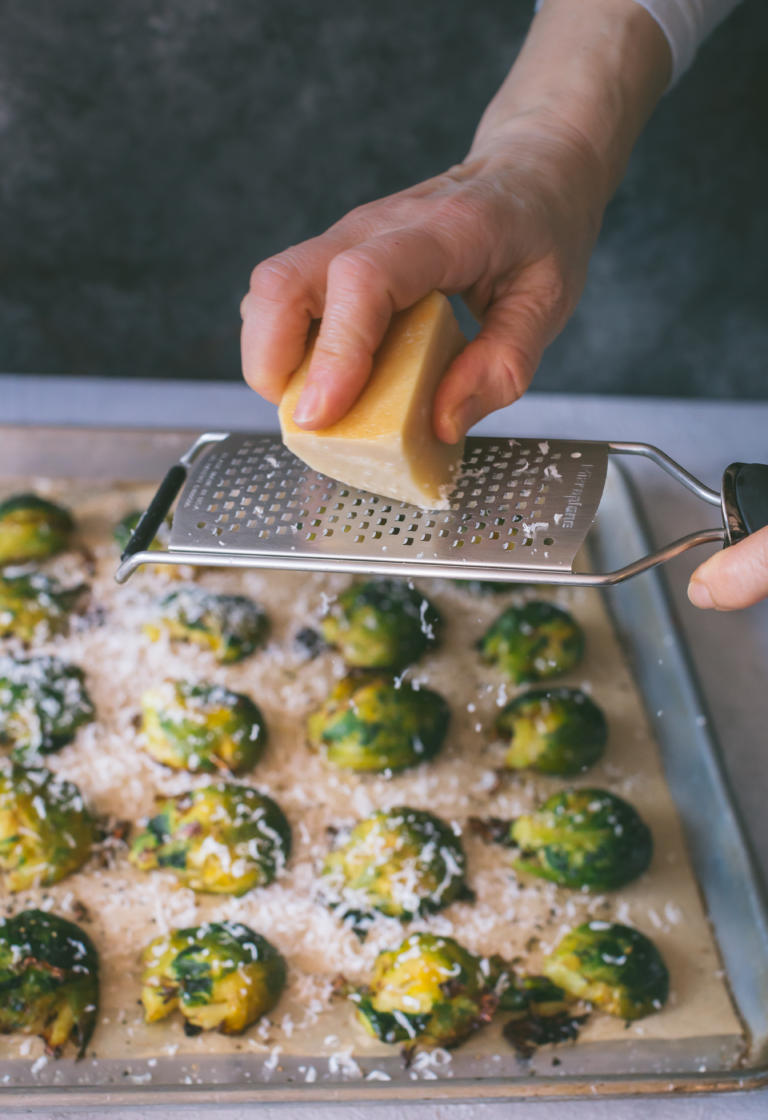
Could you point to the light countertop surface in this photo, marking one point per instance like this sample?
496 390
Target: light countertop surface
729 651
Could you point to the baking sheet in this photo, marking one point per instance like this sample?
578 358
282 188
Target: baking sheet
321 1068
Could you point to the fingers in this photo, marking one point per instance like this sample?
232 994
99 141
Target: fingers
355 287
366 284
383 258
497 367
734 578
286 293
378 259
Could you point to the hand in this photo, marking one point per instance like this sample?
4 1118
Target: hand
511 229
736 577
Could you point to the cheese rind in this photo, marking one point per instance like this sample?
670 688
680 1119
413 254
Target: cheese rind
386 443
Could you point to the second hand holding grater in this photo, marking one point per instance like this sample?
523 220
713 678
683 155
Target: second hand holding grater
520 512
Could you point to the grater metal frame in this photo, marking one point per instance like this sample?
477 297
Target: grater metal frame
520 512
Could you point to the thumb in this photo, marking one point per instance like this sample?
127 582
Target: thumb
736 577
497 367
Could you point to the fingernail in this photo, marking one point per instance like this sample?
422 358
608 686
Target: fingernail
309 406
699 595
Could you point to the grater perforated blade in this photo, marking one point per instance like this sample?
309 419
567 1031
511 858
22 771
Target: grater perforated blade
521 511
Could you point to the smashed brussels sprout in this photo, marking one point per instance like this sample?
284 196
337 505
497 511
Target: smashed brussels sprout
46 832
43 701
612 966
32 528
583 838
34 606
49 980
370 723
553 730
202 727
533 642
221 976
124 528
401 862
223 839
428 992
230 626
382 624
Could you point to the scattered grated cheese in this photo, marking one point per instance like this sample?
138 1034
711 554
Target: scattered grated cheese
116 776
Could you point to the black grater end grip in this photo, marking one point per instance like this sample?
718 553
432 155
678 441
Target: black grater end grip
745 499
151 520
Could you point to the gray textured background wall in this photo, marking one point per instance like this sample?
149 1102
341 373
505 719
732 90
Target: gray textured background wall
154 150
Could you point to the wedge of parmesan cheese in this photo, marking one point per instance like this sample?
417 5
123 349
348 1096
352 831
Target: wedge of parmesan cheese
386 443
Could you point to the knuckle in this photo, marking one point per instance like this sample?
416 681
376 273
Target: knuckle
469 209
363 216
354 270
460 209
359 304
278 280
515 371
554 295
346 338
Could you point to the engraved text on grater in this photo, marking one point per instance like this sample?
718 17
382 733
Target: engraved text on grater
576 497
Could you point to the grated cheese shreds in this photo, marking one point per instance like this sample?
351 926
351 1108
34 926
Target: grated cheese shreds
513 917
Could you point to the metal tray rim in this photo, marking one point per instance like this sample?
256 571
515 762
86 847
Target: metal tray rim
751 1074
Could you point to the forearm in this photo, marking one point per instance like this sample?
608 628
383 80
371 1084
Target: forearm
593 69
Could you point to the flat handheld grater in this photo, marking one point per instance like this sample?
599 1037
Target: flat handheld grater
520 513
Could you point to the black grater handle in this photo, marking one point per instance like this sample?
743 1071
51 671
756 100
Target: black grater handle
745 499
153 517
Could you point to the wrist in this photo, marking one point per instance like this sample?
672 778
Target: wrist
589 75
547 168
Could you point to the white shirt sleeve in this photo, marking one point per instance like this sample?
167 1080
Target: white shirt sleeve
686 24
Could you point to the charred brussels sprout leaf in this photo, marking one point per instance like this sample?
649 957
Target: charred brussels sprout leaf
46 832
124 528
230 626
555 731
533 642
223 839
32 528
612 966
202 727
33 606
583 838
43 701
525 995
529 1032
540 1014
370 723
310 643
48 980
382 624
401 862
428 992
220 976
